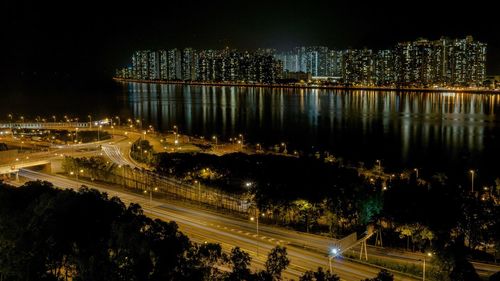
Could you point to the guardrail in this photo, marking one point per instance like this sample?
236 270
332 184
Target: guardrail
49 125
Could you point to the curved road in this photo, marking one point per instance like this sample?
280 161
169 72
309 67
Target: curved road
204 226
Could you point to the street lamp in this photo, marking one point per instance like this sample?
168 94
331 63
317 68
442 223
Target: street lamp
199 190
248 185
90 121
423 272
256 219
334 252
242 141
379 166
472 172
119 120
416 171
99 133
215 138
123 174
151 195
284 146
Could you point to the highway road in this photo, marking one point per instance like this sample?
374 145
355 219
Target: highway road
114 153
315 243
201 226
307 251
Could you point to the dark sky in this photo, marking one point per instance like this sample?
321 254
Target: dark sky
91 38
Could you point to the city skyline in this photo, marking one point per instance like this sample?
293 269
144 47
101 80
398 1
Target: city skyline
422 62
52 37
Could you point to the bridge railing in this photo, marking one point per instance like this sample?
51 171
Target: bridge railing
45 125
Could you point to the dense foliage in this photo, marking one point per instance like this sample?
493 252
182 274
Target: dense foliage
302 192
51 234
307 193
142 151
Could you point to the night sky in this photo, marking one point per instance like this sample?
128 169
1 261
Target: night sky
85 38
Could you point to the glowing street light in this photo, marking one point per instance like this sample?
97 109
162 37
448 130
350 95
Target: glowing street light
151 195
334 252
423 271
199 190
379 166
256 219
242 141
90 121
284 148
472 172
258 147
99 133
215 138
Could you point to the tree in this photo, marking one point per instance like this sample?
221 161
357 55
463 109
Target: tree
48 234
383 275
464 271
407 231
276 262
495 277
319 275
239 261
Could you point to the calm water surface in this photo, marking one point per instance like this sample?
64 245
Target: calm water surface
436 132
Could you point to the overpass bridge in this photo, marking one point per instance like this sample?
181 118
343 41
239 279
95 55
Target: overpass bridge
53 125
13 169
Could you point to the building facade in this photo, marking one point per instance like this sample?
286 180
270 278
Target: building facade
419 63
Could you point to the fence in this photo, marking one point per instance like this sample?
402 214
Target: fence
148 181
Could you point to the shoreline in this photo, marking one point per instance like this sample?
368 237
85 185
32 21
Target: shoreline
292 86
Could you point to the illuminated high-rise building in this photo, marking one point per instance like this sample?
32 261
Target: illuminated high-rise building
334 64
153 65
163 54
357 67
174 61
140 65
467 62
189 63
414 63
384 68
